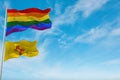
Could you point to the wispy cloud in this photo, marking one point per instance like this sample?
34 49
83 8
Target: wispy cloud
102 32
57 9
7 4
104 42
92 35
115 32
71 13
88 6
112 62
65 42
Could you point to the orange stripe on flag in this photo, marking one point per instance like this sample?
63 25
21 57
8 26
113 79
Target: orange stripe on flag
26 14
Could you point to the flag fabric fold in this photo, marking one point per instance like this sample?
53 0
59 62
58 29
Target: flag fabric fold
21 48
20 20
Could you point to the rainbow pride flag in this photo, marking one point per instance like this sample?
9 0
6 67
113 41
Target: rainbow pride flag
20 20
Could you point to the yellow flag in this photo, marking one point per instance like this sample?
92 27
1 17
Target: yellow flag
21 48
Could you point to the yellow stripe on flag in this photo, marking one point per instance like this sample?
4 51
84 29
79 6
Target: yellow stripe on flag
27 18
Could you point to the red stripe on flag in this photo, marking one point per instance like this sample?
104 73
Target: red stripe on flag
29 10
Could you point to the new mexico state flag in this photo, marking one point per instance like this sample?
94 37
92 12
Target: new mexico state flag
21 48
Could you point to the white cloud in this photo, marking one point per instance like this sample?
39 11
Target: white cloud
65 41
42 50
112 62
4 5
7 4
89 6
92 35
86 7
57 72
115 32
57 9
106 31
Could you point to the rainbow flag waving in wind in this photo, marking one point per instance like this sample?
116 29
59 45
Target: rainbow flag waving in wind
20 20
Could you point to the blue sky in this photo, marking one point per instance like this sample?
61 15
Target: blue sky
83 43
